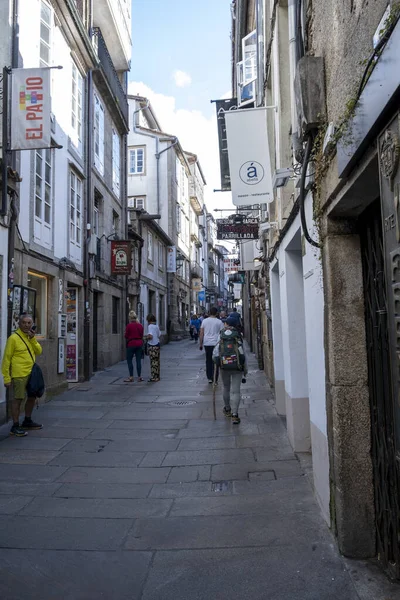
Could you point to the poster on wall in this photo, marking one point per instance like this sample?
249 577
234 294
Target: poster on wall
72 335
171 259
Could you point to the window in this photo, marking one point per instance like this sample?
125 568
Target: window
136 161
43 196
39 284
178 218
96 214
160 255
150 246
115 314
245 93
76 107
249 53
98 135
138 202
116 151
115 221
161 312
75 221
151 306
46 18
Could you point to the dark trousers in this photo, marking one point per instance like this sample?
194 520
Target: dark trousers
210 365
130 353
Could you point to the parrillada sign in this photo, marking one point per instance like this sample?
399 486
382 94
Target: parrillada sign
227 229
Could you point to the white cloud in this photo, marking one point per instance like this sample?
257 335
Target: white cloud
196 133
182 79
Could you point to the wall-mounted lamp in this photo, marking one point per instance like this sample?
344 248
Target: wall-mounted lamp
281 177
180 259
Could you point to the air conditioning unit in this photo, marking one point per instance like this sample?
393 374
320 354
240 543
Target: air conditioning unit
309 88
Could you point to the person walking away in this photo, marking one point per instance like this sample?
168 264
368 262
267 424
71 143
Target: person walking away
209 336
191 328
195 324
236 318
230 357
134 344
153 340
19 357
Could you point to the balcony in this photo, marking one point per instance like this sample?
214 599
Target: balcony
115 21
212 265
212 289
109 82
196 270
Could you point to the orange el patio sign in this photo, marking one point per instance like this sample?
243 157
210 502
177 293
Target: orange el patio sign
30 109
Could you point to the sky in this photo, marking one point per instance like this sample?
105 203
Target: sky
181 60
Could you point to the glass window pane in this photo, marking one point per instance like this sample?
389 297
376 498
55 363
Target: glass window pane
45 33
38 207
47 176
44 53
45 13
47 194
38 186
47 213
38 163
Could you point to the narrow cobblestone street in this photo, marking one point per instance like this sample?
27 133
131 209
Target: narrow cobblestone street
132 491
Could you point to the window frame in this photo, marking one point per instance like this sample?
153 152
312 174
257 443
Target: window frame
133 204
43 154
161 253
98 134
77 106
75 210
116 162
115 314
134 152
41 323
252 60
150 246
42 41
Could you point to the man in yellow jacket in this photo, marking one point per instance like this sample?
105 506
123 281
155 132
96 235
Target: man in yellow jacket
16 369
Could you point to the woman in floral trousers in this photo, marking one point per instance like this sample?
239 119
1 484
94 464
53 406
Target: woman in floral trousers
153 340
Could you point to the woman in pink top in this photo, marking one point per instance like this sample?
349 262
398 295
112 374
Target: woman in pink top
134 345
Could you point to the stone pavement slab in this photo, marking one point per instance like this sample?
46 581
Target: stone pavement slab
102 490
149 500
68 575
102 508
63 534
114 475
249 574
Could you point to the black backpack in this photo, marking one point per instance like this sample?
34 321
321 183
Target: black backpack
231 353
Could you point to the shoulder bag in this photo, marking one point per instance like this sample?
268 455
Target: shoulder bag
35 386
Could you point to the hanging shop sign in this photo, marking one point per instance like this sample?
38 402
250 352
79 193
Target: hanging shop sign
196 284
201 296
229 230
30 109
231 265
249 160
222 107
121 261
171 259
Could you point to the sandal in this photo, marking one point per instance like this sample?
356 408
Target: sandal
153 380
140 378
129 380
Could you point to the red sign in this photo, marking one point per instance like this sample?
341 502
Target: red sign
121 263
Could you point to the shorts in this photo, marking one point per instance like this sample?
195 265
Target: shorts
19 384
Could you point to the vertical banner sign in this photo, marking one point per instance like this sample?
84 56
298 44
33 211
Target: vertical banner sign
249 161
30 109
121 261
72 334
223 106
171 259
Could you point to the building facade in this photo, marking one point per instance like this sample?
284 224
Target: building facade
326 286
73 194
